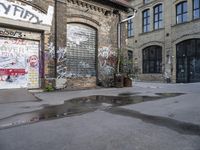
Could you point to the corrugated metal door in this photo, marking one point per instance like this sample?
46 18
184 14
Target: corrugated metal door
81 50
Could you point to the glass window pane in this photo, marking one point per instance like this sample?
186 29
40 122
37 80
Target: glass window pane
160 8
156 9
196 14
179 19
145 14
148 20
160 16
148 13
185 7
184 17
196 4
156 25
160 24
156 17
148 28
178 9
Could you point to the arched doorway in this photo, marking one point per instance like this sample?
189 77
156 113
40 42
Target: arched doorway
188 61
80 56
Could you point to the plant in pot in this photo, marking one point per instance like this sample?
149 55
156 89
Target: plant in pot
123 71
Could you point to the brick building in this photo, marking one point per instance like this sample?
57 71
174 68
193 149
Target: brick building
165 40
68 43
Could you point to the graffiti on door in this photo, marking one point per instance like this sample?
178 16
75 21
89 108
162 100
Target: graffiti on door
19 63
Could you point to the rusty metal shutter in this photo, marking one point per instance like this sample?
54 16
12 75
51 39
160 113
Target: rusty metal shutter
81 51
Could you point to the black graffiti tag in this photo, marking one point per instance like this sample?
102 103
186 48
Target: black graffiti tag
4 32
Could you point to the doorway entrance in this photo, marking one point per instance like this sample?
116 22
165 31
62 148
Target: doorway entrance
188 61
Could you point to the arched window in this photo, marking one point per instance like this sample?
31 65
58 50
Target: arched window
146 20
196 9
152 59
158 16
181 12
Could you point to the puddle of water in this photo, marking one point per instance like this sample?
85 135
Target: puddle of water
178 126
79 106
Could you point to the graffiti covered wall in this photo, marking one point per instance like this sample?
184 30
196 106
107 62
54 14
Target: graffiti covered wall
107 64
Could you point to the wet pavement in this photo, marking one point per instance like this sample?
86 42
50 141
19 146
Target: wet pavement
147 116
79 106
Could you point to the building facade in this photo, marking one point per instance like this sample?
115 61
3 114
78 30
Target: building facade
65 43
164 37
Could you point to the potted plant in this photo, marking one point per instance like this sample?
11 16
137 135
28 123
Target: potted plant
123 71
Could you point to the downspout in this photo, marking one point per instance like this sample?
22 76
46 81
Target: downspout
55 39
119 35
118 42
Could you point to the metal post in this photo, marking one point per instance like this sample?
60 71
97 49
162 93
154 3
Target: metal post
55 38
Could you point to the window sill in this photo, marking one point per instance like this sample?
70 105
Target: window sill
157 30
129 37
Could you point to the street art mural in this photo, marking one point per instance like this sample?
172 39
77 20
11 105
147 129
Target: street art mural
107 64
19 63
22 12
107 60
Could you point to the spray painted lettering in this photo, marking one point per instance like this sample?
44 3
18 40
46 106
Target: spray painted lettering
4 32
107 60
25 13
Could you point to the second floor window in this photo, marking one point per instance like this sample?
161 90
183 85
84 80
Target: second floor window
196 9
130 28
181 12
146 20
158 16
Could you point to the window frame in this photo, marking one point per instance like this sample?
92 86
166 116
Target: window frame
159 20
156 60
130 28
195 9
145 24
182 12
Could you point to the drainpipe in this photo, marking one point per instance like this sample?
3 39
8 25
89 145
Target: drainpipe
119 34
55 38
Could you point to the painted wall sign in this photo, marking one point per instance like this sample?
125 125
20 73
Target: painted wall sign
25 13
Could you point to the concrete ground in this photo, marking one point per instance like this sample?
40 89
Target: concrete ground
167 123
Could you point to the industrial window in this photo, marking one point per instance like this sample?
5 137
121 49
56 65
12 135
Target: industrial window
152 59
196 9
158 17
181 12
130 27
146 20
